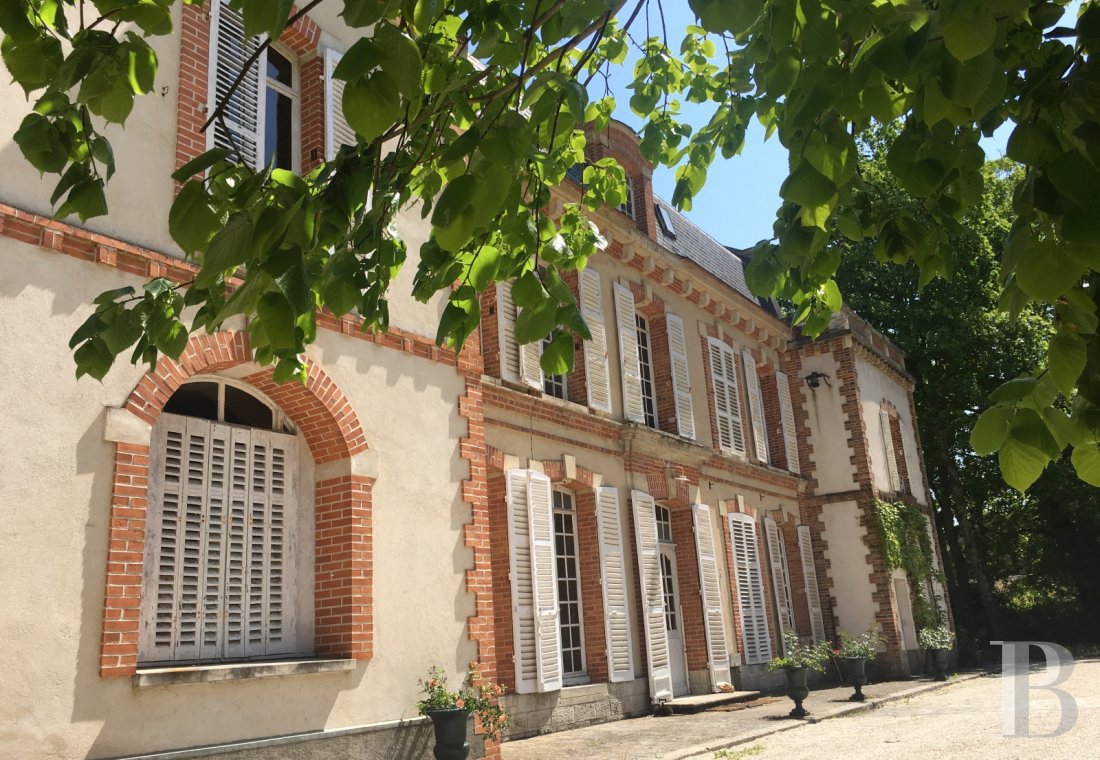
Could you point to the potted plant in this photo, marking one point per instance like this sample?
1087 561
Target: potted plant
856 651
938 640
448 710
797 659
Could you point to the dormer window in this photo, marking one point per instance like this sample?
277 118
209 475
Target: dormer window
664 221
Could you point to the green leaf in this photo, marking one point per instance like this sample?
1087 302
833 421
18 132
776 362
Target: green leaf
402 60
360 13
277 319
227 250
31 63
536 322
1086 461
41 144
807 187
1066 358
991 430
191 220
557 355
1014 390
969 31
372 104
1075 177
200 164
726 16
1033 143
527 291
86 200
1021 465
264 16
1046 271
93 359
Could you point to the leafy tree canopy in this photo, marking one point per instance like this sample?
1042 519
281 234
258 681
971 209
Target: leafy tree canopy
474 110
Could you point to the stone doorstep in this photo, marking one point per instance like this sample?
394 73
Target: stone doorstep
699 702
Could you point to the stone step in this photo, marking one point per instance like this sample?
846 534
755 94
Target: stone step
699 702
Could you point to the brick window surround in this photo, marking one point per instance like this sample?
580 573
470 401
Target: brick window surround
343 616
302 38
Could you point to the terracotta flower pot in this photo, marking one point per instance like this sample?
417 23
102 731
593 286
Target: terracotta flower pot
450 733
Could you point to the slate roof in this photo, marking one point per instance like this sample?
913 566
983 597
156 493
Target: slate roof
692 243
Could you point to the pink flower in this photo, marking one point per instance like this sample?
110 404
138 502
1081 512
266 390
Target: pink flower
460 703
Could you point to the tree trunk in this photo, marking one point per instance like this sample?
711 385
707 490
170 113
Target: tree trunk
956 504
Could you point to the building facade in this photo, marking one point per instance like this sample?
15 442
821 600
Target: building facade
197 556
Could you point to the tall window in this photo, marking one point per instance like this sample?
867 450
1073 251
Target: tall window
569 587
220 561
627 206
668 588
645 362
280 111
554 385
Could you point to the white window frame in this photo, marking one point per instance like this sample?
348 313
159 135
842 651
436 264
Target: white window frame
627 206
561 496
645 371
294 92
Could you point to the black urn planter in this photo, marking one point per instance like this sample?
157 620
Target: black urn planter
450 733
855 670
939 664
797 690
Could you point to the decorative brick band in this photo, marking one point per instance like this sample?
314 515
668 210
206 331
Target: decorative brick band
49 234
342 570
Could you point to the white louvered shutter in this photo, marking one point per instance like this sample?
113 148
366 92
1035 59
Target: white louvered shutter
727 398
337 131
530 366
596 372
506 330
521 575
781 583
620 647
750 589
786 416
888 450
217 583
653 602
243 124
535 616
518 364
756 406
627 320
809 574
547 615
681 378
710 591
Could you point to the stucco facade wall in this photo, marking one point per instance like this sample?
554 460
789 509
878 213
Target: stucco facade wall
56 479
877 386
832 452
846 556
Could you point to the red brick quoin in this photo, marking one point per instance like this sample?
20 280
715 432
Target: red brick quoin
342 571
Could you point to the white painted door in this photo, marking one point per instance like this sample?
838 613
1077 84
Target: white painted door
670 588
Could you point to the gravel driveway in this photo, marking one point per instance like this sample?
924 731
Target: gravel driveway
962 720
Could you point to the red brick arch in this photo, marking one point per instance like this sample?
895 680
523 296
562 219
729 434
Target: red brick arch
343 620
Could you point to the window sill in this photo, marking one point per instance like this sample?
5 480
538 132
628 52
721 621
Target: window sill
237 671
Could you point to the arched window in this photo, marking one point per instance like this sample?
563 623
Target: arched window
220 568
